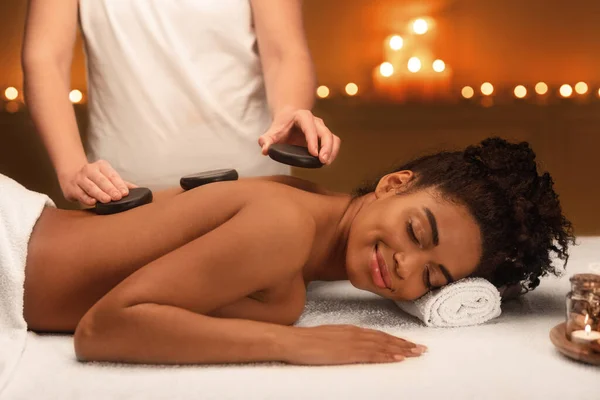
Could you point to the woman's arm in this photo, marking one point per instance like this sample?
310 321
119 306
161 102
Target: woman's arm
158 314
50 34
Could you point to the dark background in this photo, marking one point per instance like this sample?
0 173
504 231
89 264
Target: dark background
505 42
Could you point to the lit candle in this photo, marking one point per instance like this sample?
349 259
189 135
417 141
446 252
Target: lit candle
586 336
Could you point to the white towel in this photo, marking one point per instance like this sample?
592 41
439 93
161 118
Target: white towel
19 211
469 301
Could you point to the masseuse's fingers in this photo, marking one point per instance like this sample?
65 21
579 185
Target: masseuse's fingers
77 194
113 176
326 139
274 134
104 184
337 143
92 190
305 120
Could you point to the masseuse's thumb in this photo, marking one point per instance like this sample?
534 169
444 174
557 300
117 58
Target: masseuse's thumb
265 141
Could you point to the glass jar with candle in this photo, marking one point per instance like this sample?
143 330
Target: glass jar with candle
583 310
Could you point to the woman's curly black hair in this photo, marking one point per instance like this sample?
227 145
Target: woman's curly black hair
517 210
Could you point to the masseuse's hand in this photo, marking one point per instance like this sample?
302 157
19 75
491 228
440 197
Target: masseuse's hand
347 344
301 127
94 182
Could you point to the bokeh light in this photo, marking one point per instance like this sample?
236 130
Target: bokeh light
420 26
541 88
11 93
565 90
581 87
439 66
322 91
467 92
414 64
520 91
351 89
396 42
75 96
386 69
487 88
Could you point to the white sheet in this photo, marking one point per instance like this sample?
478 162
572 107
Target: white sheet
511 357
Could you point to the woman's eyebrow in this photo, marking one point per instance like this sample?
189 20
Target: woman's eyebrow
433 224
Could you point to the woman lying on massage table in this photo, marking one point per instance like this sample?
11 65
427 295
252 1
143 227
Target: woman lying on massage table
219 273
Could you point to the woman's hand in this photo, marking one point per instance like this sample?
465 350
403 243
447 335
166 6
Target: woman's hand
348 344
94 182
301 127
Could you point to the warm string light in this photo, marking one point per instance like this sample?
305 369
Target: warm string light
414 64
467 92
438 66
565 90
420 26
520 91
386 69
75 96
11 93
396 42
487 89
541 88
351 89
323 92
581 88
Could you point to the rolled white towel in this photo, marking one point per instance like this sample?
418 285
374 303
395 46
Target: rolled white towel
470 301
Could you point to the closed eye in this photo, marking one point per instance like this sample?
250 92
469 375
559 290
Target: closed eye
411 232
427 279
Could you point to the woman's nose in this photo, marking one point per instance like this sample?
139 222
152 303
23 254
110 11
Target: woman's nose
407 264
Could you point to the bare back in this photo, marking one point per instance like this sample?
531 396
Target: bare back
76 257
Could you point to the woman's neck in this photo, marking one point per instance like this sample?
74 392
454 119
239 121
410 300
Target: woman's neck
334 216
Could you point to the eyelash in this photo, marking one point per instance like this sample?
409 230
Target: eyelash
428 279
411 234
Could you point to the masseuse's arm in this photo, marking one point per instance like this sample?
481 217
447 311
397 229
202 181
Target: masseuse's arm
160 314
50 35
290 79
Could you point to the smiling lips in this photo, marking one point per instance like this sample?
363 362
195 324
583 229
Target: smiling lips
379 270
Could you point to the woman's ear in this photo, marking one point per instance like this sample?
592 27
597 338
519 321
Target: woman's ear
394 183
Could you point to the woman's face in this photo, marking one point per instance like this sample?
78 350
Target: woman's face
403 245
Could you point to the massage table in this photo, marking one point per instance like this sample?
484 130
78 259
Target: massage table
510 357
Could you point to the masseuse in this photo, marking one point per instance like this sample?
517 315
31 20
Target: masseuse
175 87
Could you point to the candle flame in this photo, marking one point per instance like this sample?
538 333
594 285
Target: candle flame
588 329
586 319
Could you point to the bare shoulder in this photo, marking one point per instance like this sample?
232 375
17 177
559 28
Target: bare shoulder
289 225
298 183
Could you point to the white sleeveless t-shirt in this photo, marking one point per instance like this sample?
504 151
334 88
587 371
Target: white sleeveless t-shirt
174 87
